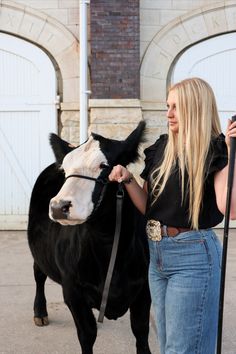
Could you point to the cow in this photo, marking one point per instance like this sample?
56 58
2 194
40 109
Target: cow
72 218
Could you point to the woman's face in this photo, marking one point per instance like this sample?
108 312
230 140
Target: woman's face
173 120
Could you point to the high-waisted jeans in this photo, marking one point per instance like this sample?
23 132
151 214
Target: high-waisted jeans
184 280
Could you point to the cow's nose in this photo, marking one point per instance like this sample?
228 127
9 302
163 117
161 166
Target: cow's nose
60 210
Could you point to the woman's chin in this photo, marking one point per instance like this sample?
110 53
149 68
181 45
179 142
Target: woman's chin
174 128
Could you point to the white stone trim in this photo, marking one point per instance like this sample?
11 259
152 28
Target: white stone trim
113 103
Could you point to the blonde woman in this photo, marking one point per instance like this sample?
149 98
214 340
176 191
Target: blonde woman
183 197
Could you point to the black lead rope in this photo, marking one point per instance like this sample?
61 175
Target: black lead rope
119 205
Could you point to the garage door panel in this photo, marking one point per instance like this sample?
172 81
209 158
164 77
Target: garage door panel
25 81
21 146
27 115
14 200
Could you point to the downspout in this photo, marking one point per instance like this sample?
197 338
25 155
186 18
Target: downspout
83 71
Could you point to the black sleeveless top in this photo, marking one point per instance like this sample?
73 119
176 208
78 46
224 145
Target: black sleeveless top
169 208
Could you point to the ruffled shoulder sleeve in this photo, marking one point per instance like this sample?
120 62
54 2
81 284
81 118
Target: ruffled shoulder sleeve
153 155
218 155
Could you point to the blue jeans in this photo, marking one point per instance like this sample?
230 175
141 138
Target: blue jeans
184 280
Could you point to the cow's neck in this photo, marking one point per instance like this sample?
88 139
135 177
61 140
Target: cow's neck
104 223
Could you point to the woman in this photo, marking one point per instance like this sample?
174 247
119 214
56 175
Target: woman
183 197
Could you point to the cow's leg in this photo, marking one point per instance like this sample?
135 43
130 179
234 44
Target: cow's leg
40 306
139 318
82 315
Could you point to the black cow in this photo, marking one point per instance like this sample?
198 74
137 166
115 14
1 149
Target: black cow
77 255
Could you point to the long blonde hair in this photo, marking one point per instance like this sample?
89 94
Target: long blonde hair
198 122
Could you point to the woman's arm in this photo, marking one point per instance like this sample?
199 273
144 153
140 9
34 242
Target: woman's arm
137 194
221 178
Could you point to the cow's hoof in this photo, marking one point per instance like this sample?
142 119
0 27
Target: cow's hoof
41 321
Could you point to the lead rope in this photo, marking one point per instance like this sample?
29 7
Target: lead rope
119 205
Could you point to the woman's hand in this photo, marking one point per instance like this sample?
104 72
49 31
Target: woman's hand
120 174
221 178
137 194
230 132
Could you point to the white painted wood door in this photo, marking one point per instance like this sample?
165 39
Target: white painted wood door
27 115
213 60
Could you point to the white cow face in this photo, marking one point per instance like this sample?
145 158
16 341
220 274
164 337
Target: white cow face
73 204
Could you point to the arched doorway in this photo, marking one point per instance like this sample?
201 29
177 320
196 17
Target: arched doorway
214 61
27 115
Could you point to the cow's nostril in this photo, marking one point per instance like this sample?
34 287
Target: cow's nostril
65 208
61 209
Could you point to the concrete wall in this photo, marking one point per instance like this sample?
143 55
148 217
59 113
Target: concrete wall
40 22
64 11
167 27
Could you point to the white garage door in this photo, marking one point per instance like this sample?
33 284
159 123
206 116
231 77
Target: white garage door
214 61
27 115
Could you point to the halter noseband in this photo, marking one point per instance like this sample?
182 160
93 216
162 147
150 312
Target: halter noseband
99 180
103 181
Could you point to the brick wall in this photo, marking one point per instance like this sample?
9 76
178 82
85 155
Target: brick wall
115 48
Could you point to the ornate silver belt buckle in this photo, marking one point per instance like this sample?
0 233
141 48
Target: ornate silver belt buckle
153 230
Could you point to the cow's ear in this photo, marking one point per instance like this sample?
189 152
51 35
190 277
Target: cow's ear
130 146
60 147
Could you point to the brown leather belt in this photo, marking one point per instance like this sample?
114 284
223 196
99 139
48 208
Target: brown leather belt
173 231
155 231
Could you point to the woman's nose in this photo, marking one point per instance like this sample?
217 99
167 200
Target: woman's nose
169 113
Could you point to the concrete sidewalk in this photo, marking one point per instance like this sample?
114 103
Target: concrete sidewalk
19 335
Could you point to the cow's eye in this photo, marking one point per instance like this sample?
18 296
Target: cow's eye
104 165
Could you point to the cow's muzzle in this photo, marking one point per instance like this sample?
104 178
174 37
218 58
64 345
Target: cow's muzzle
60 210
